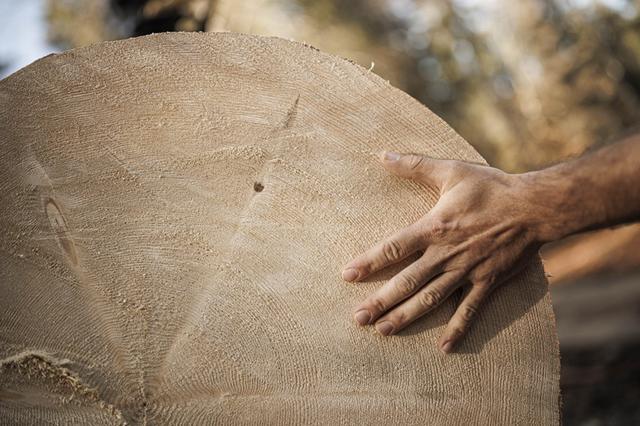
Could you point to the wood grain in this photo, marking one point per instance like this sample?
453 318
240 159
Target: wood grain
175 213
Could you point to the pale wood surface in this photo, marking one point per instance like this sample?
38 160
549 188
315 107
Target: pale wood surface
143 278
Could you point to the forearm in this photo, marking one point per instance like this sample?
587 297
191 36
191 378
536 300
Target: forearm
597 190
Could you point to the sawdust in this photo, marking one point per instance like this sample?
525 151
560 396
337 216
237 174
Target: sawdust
32 376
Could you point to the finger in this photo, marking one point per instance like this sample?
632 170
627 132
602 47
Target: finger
397 289
426 299
462 318
430 171
387 252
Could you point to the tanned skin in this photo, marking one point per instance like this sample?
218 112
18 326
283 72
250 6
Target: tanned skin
484 223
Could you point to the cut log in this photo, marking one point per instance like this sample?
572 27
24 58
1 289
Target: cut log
175 213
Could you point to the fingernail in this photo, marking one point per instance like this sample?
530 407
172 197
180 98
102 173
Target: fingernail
349 274
391 156
362 317
385 328
447 347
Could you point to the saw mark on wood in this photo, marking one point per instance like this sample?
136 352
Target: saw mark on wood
59 227
290 118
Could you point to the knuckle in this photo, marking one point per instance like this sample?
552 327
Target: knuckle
407 284
437 227
365 267
399 319
483 278
430 299
391 250
378 305
468 313
457 331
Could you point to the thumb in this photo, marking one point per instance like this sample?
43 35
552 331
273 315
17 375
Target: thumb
429 171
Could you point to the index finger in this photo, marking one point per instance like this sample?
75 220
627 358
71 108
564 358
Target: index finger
387 252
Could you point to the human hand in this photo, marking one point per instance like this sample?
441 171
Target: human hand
480 227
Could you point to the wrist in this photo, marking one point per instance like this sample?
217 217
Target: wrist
553 204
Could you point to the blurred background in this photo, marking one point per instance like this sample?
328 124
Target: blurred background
527 83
